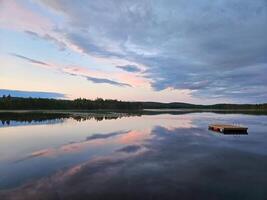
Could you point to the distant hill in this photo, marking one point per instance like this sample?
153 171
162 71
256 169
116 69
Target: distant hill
179 105
174 105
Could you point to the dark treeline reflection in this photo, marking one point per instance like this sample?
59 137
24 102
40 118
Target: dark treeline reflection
51 117
6 118
29 117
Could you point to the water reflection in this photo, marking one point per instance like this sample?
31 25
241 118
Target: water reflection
24 118
148 157
231 132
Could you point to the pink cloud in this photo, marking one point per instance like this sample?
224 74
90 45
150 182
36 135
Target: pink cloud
14 15
118 77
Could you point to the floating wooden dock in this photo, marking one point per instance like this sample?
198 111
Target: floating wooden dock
225 128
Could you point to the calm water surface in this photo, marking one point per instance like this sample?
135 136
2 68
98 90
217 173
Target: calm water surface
119 156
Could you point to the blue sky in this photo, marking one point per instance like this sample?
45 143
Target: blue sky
175 50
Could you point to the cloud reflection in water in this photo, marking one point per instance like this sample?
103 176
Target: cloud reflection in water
160 161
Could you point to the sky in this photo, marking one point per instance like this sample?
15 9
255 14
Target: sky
139 50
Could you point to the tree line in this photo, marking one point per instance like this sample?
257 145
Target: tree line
8 103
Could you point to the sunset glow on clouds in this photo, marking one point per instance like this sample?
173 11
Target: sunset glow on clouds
136 50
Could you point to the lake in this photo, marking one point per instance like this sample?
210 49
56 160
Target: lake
149 155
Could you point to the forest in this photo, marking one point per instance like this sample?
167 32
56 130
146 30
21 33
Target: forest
13 103
8 102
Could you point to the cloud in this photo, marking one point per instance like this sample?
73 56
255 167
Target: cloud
194 45
191 45
17 15
129 68
75 71
34 94
61 45
106 81
30 60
